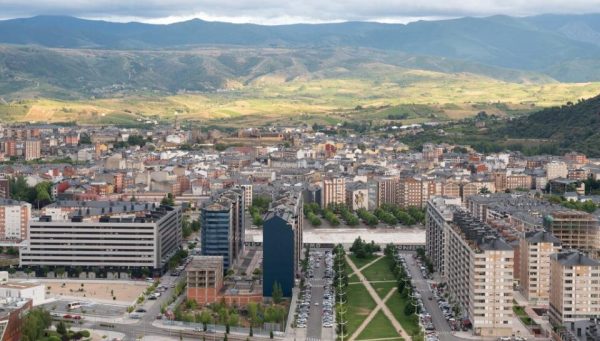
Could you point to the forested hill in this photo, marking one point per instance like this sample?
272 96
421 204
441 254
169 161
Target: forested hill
574 126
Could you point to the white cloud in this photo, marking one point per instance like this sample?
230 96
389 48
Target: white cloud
292 11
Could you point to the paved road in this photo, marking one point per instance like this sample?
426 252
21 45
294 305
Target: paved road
439 321
315 317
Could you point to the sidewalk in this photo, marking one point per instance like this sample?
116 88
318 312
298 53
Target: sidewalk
293 333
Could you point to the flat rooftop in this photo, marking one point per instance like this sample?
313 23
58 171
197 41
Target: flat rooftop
20 285
346 236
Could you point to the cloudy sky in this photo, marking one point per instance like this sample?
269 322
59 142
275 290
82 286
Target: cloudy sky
288 11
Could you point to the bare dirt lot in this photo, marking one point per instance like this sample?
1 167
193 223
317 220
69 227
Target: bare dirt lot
124 292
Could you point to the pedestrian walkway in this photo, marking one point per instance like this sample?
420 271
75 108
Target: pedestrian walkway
354 269
371 316
380 304
372 282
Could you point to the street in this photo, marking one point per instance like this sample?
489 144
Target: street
314 324
439 321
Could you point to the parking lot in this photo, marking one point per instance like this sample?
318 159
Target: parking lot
316 303
59 308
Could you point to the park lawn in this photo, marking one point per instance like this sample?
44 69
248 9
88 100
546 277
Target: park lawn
396 305
353 277
358 307
360 262
379 327
379 271
383 288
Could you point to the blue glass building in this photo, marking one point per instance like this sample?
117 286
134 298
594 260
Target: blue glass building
223 226
282 243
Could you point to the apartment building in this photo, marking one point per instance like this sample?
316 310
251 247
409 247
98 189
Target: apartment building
386 191
136 238
223 224
574 287
477 266
357 196
451 190
333 191
282 243
204 279
4 188
33 149
576 230
10 148
440 211
480 275
476 187
248 192
556 169
576 158
415 192
535 249
14 217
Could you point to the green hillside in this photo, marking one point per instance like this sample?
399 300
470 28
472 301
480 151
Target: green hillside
571 126
27 72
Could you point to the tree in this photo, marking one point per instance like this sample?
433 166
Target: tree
409 309
136 140
277 293
85 139
35 322
61 328
206 319
168 200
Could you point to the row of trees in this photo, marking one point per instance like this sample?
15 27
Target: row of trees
389 214
408 216
405 289
423 256
340 285
350 218
362 249
311 212
330 217
368 217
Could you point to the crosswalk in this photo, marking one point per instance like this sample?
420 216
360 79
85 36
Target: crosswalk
312 339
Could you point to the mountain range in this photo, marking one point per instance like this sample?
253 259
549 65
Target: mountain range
557 45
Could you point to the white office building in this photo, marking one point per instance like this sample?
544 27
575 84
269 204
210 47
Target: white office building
129 239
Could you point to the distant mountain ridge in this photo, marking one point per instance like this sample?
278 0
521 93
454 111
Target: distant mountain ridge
566 47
